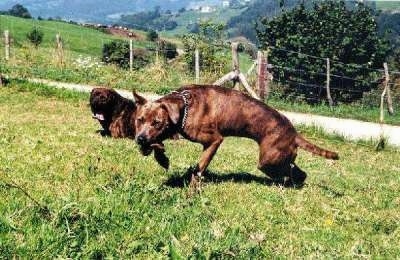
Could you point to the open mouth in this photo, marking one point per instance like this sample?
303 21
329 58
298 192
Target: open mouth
99 117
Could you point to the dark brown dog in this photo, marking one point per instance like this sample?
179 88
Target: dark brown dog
206 114
114 114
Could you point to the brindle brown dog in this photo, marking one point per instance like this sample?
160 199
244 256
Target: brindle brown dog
114 114
206 114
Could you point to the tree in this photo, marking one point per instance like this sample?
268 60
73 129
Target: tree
328 29
118 52
168 49
19 11
150 19
193 28
209 42
152 36
35 36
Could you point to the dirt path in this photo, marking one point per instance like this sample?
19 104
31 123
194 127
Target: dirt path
349 128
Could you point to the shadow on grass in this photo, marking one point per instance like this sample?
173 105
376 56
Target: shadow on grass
181 180
103 133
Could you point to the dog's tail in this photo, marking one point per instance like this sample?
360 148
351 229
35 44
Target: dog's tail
312 148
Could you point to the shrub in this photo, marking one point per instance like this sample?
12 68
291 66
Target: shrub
168 50
346 35
152 36
19 11
35 36
117 52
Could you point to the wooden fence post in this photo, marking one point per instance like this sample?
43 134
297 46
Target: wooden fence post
261 74
328 82
60 50
131 55
268 75
388 92
197 65
157 51
235 64
236 76
7 44
386 84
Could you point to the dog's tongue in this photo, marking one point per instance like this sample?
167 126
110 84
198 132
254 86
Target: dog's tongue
99 117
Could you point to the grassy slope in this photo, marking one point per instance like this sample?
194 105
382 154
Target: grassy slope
76 38
106 199
222 15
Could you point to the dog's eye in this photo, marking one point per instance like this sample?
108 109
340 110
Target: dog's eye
140 120
156 122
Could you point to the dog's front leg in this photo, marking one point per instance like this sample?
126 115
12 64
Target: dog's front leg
209 150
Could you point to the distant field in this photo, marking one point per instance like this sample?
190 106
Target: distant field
99 198
388 5
190 17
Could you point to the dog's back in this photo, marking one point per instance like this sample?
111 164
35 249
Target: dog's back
237 114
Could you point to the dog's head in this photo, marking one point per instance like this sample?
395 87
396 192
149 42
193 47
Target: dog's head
153 120
103 102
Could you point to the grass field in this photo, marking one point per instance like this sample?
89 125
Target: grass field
98 197
76 38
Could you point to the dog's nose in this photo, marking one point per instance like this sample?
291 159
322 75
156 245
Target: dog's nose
141 139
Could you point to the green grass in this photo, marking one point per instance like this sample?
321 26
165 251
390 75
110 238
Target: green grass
105 200
75 38
368 113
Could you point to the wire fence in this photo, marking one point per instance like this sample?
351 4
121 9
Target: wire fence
310 85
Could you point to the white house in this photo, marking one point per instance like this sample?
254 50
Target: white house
207 9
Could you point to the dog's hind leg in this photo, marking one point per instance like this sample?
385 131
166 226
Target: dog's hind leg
287 174
297 176
279 165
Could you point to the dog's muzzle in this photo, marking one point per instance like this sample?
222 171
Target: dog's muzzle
141 140
99 117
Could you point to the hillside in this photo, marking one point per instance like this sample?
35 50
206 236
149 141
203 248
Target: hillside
244 23
189 18
76 38
92 10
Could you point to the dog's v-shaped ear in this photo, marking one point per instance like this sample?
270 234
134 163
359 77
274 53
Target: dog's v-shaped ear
139 99
173 111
